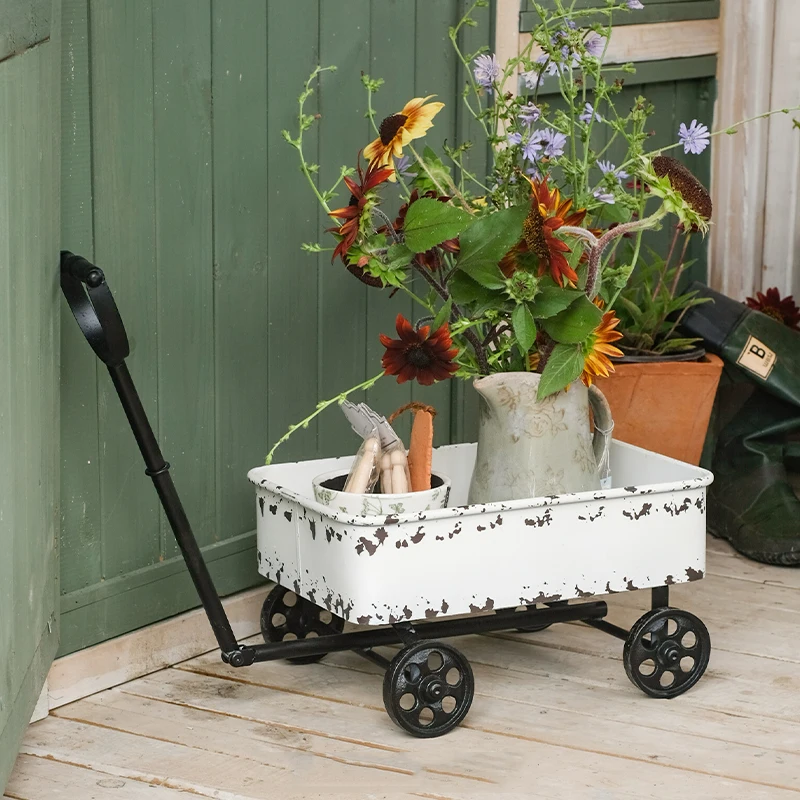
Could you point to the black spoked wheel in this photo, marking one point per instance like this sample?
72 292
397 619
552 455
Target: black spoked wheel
667 652
286 616
428 689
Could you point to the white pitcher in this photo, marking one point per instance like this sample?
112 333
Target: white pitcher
533 448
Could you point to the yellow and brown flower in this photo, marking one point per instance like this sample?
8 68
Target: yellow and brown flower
598 349
419 354
548 213
398 130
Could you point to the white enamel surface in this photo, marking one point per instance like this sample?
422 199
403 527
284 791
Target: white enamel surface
649 529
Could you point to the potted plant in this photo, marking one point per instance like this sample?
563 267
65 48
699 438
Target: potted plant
662 389
508 269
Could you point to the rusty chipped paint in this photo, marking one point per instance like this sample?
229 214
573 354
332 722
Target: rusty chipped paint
506 552
694 574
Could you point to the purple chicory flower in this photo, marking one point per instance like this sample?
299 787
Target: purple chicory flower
603 196
514 138
486 70
588 113
554 143
634 5
607 168
595 44
532 78
529 114
534 172
550 64
695 138
401 166
533 145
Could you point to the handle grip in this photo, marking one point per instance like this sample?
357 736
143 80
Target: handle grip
94 309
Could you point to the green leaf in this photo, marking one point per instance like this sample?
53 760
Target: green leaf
550 300
563 367
489 238
429 222
464 290
398 256
442 316
487 274
575 323
524 327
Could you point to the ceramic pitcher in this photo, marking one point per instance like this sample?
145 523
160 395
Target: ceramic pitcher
532 448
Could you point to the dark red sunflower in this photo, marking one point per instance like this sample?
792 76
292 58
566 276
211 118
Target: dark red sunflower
771 303
359 198
419 354
430 258
548 213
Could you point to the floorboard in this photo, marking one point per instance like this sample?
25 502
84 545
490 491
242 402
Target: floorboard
554 717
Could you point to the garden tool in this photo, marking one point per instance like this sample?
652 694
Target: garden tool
753 442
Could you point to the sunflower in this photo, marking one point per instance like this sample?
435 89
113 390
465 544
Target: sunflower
784 309
418 353
398 130
548 213
359 200
598 348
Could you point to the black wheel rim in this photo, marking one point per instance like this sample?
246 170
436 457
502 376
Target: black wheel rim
287 615
428 689
667 652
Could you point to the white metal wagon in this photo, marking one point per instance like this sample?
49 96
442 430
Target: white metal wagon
521 560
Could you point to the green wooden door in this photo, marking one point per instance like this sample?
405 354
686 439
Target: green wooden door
29 313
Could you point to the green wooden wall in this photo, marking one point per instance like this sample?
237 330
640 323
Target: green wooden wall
178 184
29 352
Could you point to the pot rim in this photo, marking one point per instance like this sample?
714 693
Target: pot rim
317 480
695 354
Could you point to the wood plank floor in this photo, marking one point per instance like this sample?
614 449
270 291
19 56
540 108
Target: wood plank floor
554 717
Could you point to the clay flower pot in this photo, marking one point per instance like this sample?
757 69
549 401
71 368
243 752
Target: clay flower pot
664 406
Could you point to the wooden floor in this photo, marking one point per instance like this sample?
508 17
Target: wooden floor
554 717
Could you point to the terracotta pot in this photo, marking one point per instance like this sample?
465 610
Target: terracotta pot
664 406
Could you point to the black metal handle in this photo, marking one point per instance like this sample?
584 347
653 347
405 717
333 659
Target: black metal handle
93 306
94 309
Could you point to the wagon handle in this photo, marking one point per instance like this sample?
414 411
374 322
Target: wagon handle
91 302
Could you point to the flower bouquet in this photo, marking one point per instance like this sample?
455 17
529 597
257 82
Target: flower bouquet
514 271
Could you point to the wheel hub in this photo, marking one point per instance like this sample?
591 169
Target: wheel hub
432 689
669 654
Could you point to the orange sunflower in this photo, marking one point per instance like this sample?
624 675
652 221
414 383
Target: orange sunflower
359 198
598 348
548 213
398 130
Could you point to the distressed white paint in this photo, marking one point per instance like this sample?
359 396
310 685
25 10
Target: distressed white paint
646 531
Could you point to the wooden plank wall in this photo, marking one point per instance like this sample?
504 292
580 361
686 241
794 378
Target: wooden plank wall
178 183
29 299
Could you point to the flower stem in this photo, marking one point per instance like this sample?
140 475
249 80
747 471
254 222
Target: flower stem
480 350
597 251
426 170
368 384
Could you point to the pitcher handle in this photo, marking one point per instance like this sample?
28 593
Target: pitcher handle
603 428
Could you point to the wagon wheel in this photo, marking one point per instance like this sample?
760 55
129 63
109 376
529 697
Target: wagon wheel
428 689
285 616
667 652
532 628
